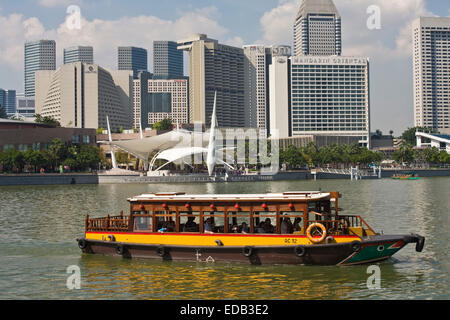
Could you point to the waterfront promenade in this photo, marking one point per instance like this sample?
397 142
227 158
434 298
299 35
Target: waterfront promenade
102 178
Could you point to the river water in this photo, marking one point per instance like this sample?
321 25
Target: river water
39 225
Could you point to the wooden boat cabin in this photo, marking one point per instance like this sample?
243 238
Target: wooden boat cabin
276 228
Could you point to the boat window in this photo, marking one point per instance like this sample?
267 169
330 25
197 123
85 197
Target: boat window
143 223
190 221
265 222
165 221
291 222
216 221
238 222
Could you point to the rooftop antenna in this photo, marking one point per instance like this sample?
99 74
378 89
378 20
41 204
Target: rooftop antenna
113 156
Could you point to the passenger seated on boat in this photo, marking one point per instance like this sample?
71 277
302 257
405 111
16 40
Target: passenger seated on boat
268 227
260 228
244 228
235 228
297 226
209 226
286 226
190 225
170 226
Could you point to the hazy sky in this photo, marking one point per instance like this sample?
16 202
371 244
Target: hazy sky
107 24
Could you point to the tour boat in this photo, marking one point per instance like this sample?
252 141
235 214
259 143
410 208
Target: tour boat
407 176
304 228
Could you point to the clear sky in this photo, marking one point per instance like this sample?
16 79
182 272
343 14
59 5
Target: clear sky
107 24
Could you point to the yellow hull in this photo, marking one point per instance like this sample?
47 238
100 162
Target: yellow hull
196 240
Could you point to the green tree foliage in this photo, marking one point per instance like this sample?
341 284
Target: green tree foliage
80 157
404 154
47 120
3 114
163 125
410 134
334 155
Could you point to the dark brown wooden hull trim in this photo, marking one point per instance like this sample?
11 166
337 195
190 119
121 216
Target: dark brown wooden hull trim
327 254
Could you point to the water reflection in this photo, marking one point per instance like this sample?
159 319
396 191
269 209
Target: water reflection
39 225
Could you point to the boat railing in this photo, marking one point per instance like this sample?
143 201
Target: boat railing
108 223
342 224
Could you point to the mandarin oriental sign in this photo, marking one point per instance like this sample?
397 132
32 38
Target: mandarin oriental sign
330 60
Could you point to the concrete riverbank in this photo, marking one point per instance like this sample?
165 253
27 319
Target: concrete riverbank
65 179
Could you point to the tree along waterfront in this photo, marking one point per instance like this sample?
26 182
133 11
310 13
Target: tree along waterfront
74 157
350 155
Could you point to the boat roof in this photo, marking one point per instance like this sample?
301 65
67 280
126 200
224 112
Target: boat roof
291 195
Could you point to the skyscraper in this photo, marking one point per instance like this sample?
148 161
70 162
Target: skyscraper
81 95
257 59
132 58
330 96
167 60
317 29
39 55
8 101
431 62
79 54
215 67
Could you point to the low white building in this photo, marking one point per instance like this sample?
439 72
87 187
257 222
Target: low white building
442 142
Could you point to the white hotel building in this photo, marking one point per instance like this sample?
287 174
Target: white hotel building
330 96
431 56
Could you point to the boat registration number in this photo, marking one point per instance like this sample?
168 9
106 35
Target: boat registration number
290 240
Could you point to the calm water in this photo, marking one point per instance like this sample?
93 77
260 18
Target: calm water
39 225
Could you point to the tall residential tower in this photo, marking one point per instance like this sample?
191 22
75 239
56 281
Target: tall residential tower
167 60
132 58
39 55
431 60
79 54
317 29
215 67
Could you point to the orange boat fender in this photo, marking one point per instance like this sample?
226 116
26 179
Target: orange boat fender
318 225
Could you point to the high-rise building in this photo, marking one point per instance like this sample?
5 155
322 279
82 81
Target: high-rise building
279 92
81 95
132 58
168 99
79 54
431 63
317 29
167 60
215 67
141 100
330 96
8 101
256 61
39 55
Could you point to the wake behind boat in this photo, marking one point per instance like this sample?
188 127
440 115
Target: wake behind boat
279 228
